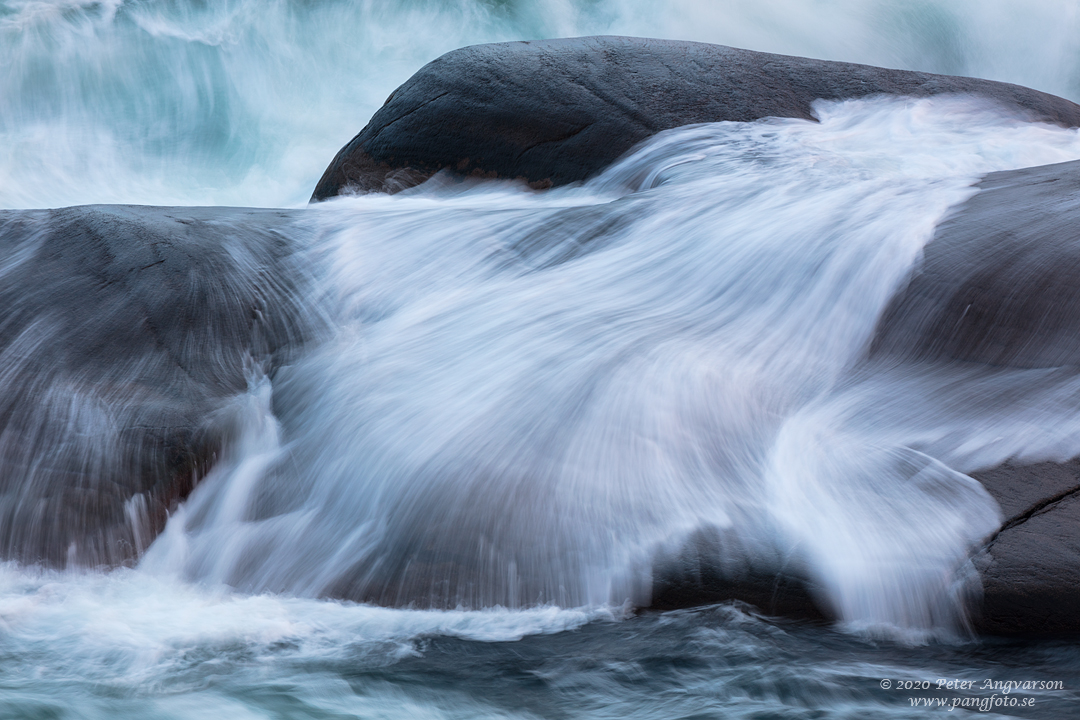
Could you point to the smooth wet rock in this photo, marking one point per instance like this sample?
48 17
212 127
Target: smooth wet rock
999 284
705 572
1030 570
553 112
123 332
1021 490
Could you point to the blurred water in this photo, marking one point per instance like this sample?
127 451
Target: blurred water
127 646
244 102
501 418
520 399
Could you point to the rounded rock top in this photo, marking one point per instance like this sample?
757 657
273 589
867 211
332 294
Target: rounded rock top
554 112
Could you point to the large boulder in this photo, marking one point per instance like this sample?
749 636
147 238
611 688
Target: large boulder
996 286
558 111
124 332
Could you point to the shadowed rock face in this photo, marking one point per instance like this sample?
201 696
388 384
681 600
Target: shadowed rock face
701 574
124 330
558 111
1031 569
998 283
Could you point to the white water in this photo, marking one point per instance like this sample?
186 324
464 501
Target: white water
153 643
491 423
536 431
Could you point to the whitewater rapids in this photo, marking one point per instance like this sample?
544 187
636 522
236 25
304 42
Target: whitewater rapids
599 370
521 399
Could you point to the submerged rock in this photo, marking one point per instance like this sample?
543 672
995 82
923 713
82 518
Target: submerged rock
553 112
124 330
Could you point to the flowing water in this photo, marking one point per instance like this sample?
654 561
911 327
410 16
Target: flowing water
517 403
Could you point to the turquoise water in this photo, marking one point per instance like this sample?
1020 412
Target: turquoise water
197 654
244 102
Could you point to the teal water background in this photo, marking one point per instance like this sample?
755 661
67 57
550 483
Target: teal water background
244 102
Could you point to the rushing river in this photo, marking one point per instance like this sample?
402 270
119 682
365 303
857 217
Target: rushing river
517 401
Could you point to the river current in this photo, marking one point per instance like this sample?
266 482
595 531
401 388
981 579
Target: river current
548 391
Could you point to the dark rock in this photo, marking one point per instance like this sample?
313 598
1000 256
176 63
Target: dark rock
558 111
998 284
1031 569
705 572
1023 489
123 331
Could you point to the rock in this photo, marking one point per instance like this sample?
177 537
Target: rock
1022 490
998 284
553 112
1030 570
702 573
123 332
